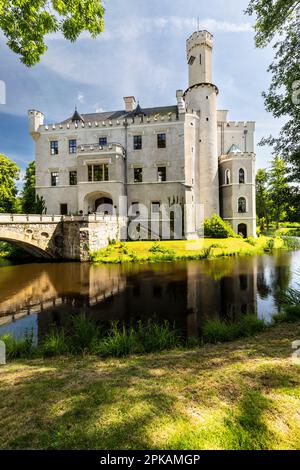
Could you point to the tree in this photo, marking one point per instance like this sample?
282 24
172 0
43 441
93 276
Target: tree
40 205
9 173
28 193
25 23
279 190
262 196
280 20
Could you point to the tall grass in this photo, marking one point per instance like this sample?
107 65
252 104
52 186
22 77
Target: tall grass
219 331
19 348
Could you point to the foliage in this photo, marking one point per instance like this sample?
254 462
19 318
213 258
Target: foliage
216 227
55 344
278 189
290 314
84 334
262 197
40 205
9 173
219 331
19 348
279 20
25 24
28 193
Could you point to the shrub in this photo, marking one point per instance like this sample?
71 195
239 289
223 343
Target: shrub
216 227
291 243
54 344
251 241
19 348
269 245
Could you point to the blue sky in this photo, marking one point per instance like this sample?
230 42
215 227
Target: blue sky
141 53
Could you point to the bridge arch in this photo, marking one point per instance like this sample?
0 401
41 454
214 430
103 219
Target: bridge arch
31 246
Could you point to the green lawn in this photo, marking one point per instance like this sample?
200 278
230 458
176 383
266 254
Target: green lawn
240 395
183 249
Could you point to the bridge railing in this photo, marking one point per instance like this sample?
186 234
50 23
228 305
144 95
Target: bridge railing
45 218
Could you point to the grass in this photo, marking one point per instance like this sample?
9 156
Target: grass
173 250
239 395
218 331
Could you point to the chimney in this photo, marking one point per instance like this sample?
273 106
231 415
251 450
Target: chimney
130 103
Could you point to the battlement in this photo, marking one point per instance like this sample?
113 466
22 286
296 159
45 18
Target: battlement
240 125
199 38
238 155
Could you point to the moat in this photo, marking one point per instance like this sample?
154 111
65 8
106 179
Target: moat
36 296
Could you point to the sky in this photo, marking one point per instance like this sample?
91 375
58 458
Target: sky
141 53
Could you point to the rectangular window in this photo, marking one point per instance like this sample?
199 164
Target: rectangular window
138 175
102 141
161 141
54 147
161 174
73 178
98 172
64 209
72 146
54 178
155 207
137 142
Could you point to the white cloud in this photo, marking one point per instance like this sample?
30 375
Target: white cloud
80 97
97 108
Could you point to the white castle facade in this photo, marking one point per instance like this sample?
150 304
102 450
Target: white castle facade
187 154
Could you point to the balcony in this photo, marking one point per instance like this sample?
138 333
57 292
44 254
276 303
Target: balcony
110 148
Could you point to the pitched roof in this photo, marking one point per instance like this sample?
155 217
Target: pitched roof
122 114
76 116
234 149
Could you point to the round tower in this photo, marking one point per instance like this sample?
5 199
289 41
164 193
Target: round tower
201 96
35 119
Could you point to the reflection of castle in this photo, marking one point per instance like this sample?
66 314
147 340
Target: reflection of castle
187 295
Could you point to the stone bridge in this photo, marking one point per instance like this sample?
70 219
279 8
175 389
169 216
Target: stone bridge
61 237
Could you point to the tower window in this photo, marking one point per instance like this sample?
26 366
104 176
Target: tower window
54 178
242 205
227 176
138 175
73 178
161 141
102 141
161 174
54 147
241 176
72 146
200 59
207 119
155 207
191 60
137 142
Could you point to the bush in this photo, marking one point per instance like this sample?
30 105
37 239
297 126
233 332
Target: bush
269 245
118 343
156 337
216 227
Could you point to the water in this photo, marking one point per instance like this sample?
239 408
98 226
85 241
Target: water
35 296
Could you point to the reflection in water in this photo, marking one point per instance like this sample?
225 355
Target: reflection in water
38 296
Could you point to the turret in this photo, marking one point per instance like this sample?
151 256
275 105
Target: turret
35 119
201 96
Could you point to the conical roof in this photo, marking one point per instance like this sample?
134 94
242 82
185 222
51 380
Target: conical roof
76 116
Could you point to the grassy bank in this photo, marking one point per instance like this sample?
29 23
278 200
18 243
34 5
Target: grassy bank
149 251
240 395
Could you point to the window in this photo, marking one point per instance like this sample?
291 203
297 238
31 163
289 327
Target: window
227 176
72 146
200 59
54 147
102 141
161 174
242 205
137 142
155 207
138 175
64 209
161 141
241 176
73 178
136 208
54 178
98 172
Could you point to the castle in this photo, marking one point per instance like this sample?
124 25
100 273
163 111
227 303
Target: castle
187 153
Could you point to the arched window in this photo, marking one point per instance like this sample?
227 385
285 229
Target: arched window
227 176
241 176
242 205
